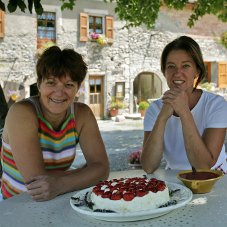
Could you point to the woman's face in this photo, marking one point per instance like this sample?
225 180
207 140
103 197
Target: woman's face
180 70
57 94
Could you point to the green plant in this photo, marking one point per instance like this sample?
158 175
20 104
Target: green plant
116 105
44 46
143 105
224 39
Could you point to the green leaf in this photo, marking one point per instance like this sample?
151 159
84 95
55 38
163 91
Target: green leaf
176 4
30 5
12 6
21 5
38 7
136 12
2 6
68 5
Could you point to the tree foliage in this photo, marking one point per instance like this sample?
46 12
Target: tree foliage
30 4
136 12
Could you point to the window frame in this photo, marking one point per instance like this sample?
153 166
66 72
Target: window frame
41 41
120 89
94 28
2 24
107 26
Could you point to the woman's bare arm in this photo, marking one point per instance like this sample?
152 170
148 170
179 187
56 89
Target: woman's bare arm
44 187
21 132
202 151
154 140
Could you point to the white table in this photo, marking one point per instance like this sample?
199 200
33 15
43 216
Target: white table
205 210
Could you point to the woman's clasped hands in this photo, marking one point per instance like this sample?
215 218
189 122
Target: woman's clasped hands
175 101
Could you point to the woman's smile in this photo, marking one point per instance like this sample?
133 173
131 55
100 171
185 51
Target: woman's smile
178 82
57 100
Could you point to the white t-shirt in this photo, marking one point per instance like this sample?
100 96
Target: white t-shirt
209 112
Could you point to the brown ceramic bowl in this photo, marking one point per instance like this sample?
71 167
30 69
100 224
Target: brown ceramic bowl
200 182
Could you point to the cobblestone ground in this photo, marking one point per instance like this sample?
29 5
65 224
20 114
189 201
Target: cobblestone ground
120 139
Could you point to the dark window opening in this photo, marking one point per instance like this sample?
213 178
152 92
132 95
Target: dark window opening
95 24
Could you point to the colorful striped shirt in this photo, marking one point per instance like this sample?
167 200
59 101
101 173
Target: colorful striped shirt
58 148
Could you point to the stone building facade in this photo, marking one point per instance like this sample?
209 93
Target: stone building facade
126 68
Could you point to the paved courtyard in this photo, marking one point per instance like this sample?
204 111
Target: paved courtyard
120 139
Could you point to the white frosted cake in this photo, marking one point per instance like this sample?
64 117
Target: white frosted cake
129 194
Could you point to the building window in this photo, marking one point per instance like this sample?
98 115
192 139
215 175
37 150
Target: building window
95 24
2 24
120 90
98 24
46 28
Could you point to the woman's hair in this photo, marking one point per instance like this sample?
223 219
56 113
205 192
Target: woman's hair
56 62
192 48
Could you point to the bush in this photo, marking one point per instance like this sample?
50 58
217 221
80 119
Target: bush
224 39
143 105
116 105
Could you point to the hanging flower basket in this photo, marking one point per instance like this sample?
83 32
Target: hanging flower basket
99 38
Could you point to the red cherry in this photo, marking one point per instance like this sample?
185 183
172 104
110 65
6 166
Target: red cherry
141 193
106 194
116 196
128 196
153 180
95 189
99 192
152 189
161 186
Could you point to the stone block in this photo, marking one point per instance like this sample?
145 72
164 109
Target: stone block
119 118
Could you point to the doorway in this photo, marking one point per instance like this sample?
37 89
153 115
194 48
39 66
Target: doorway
96 102
147 86
222 74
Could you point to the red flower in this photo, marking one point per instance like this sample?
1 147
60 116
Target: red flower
134 157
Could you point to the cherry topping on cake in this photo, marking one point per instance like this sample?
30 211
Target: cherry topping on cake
161 186
128 188
106 194
99 192
116 196
141 193
128 196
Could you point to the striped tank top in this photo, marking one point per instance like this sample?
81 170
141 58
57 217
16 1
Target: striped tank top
58 148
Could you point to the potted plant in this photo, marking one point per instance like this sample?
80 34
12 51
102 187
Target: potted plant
143 106
224 39
114 107
134 159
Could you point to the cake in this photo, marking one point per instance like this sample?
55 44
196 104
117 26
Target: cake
129 194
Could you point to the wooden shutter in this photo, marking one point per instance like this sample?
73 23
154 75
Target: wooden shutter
2 23
109 28
83 27
208 68
222 74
